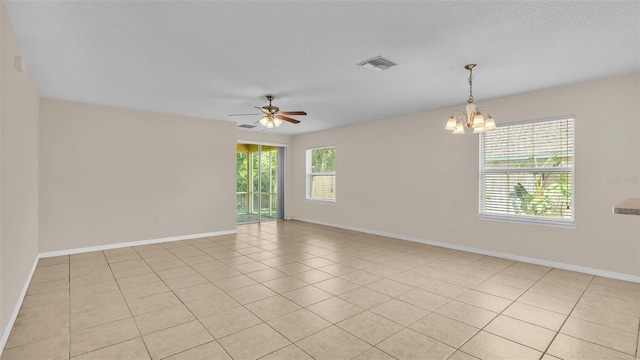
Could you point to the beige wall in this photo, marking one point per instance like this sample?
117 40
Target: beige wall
410 177
18 173
259 137
110 175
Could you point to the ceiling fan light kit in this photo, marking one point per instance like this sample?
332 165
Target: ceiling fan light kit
472 117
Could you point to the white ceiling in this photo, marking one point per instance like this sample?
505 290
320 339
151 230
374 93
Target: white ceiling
214 58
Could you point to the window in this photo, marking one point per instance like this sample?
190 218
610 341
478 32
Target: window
321 174
527 172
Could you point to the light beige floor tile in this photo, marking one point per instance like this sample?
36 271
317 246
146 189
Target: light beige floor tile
144 290
339 269
316 262
229 322
484 345
176 339
527 271
164 318
251 293
54 260
53 348
233 283
370 327
513 281
299 324
185 281
384 271
250 267
335 309
336 286
56 312
612 304
209 351
400 312
604 317
211 305
50 276
97 337
546 302
98 316
253 342
137 280
468 314
559 291
534 315
273 307
484 300
364 297
445 330
504 291
332 343
96 301
175 272
521 332
36 332
374 354
307 295
475 272
361 277
459 355
389 287
602 335
444 289
284 284
131 349
197 292
290 352
165 264
408 344
48 286
153 303
49 297
424 299
313 276
266 275
569 348
93 288
461 280
411 279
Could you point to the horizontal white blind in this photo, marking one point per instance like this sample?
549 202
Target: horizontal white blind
527 170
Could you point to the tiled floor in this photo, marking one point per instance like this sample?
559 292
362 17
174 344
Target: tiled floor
293 290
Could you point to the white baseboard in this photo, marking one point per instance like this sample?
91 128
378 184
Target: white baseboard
559 265
14 315
133 243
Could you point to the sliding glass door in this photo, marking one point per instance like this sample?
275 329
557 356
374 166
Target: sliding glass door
259 174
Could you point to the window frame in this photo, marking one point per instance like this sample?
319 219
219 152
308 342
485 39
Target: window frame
309 174
528 219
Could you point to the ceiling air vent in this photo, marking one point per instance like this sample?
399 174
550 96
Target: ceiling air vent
377 64
246 126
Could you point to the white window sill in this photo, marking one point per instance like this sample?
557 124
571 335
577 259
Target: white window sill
529 220
329 202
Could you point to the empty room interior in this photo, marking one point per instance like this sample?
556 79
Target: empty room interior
319 180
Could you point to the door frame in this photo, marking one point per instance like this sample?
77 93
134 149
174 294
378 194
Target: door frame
281 197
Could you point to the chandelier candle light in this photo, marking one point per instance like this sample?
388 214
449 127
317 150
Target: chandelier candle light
473 117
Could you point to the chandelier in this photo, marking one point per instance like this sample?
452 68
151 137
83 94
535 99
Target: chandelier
473 117
270 121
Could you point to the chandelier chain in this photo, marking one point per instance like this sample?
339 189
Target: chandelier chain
470 85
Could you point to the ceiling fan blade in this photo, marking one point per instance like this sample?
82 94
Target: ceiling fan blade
285 118
293 113
242 114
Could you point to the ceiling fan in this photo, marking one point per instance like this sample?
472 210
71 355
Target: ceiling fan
273 117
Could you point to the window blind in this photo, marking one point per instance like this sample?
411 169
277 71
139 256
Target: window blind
527 171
